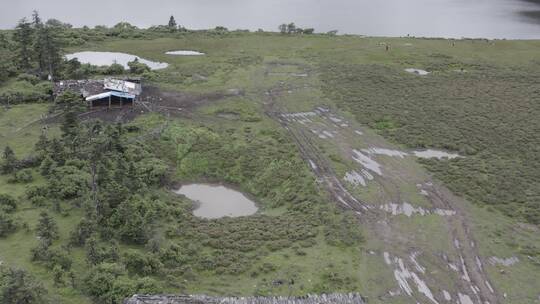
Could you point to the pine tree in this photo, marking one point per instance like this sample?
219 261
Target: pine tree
36 20
9 161
23 37
70 130
48 47
172 24
47 229
42 145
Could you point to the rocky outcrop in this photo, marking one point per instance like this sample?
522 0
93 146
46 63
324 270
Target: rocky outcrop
350 298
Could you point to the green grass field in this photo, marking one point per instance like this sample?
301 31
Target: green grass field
488 113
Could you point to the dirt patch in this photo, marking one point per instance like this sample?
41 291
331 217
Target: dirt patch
152 99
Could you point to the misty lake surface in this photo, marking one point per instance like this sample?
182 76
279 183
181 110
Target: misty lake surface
108 58
512 19
215 201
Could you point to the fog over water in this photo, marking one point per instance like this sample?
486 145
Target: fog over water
512 19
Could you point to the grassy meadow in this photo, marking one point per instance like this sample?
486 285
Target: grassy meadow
481 99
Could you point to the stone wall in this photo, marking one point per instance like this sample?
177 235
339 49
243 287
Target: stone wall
351 298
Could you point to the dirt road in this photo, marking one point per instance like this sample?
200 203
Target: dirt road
452 275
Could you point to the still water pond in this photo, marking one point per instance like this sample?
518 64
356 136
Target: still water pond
215 201
184 53
108 58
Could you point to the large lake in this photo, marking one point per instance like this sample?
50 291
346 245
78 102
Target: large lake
516 19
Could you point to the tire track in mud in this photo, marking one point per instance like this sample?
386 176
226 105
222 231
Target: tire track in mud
318 164
465 244
473 286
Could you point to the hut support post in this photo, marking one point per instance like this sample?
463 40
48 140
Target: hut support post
109 101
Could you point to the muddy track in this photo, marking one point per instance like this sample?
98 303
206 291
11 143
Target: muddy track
469 278
319 165
465 244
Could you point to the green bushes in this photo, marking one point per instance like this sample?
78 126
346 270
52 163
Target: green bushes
108 283
7 223
264 163
22 176
24 91
133 217
142 264
489 115
8 205
115 69
17 286
67 182
137 67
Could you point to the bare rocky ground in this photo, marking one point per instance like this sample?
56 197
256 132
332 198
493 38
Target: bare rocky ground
450 273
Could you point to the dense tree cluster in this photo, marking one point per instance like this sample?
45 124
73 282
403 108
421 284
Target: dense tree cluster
91 166
37 47
18 287
291 28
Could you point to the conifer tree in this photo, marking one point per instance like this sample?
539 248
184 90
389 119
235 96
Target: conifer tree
23 37
172 24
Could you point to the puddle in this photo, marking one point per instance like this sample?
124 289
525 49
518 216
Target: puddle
387 152
335 119
430 153
185 53
409 210
447 295
288 74
501 261
405 208
108 58
328 134
417 265
417 72
464 299
403 275
367 162
216 201
355 178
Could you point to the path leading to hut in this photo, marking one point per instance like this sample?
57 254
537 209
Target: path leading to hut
415 226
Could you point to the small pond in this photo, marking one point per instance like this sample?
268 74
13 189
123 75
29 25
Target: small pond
435 154
216 201
185 53
108 58
417 72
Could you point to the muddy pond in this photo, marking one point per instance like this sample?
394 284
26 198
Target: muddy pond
108 58
217 201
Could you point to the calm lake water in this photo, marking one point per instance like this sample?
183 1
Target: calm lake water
108 58
217 201
516 19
